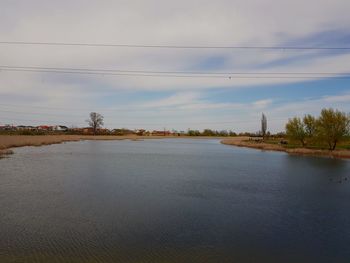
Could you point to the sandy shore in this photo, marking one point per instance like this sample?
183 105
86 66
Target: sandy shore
243 142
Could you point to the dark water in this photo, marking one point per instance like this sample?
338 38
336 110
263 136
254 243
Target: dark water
171 201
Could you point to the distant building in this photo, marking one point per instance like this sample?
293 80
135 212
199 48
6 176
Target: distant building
140 132
44 128
26 128
60 128
8 127
161 133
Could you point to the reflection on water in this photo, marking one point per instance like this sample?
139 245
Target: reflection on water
171 201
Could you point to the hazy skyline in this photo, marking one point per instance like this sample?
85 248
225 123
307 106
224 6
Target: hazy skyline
169 102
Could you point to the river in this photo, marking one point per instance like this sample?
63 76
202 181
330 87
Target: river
171 200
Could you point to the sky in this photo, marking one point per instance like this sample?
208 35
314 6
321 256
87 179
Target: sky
180 103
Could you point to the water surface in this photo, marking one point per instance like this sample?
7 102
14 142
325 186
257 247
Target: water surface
171 201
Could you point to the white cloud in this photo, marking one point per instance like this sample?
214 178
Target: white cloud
262 104
197 22
344 98
174 100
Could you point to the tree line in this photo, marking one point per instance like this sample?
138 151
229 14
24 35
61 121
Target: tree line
330 128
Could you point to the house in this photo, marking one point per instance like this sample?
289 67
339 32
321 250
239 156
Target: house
44 128
161 133
60 128
140 132
26 128
8 127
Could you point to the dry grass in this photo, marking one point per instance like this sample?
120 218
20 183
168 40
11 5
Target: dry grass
7 142
243 142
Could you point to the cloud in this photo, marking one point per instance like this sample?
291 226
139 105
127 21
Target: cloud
198 22
174 100
262 104
314 106
344 98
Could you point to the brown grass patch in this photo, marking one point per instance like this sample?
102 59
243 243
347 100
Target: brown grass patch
243 142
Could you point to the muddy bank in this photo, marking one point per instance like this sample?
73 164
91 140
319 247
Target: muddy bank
243 142
5 152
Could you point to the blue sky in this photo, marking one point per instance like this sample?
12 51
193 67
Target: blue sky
167 102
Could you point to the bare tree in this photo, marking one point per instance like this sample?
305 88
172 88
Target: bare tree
263 125
95 121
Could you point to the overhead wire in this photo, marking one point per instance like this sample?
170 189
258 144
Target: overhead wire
234 75
284 47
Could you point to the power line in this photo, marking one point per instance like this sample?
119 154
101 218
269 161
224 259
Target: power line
168 72
173 46
345 76
108 73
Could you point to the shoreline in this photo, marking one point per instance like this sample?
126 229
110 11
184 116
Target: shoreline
241 142
8 142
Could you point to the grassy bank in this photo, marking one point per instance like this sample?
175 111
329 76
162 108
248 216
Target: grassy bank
272 145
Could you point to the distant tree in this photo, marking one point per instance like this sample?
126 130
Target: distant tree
310 123
223 133
263 125
208 132
232 133
333 126
193 133
295 130
280 135
246 134
95 121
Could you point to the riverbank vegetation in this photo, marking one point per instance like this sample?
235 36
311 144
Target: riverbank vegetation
329 130
326 135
